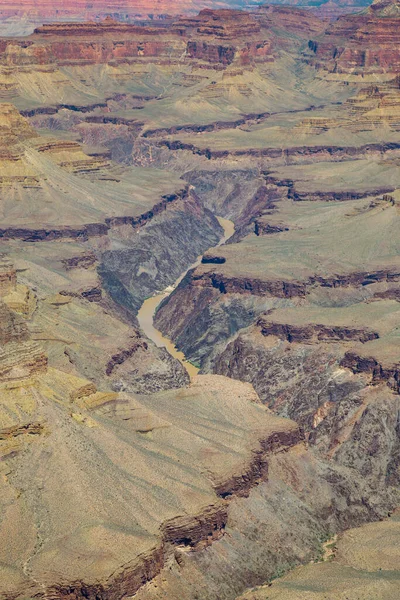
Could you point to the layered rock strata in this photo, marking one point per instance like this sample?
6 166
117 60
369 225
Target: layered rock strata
276 273
199 490
8 276
122 9
202 38
362 43
20 357
131 542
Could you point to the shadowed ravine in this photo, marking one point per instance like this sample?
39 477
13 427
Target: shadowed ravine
149 307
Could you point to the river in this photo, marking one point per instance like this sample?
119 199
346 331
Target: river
149 307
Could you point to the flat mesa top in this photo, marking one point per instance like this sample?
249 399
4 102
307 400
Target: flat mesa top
322 239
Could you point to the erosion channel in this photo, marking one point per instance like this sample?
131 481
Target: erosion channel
150 305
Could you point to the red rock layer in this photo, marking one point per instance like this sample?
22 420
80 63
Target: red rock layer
363 43
220 23
213 36
296 20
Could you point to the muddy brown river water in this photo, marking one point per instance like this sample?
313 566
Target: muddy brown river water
149 307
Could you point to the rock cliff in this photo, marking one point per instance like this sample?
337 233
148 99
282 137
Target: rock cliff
362 43
50 419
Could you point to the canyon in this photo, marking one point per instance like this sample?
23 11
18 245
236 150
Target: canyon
199 301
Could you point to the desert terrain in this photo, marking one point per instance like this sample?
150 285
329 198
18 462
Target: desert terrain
233 168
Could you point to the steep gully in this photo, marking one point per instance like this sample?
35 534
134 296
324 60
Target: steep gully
149 307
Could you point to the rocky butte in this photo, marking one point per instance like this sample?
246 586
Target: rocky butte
129 150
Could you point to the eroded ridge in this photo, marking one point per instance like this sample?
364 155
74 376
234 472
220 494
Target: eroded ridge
190 449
